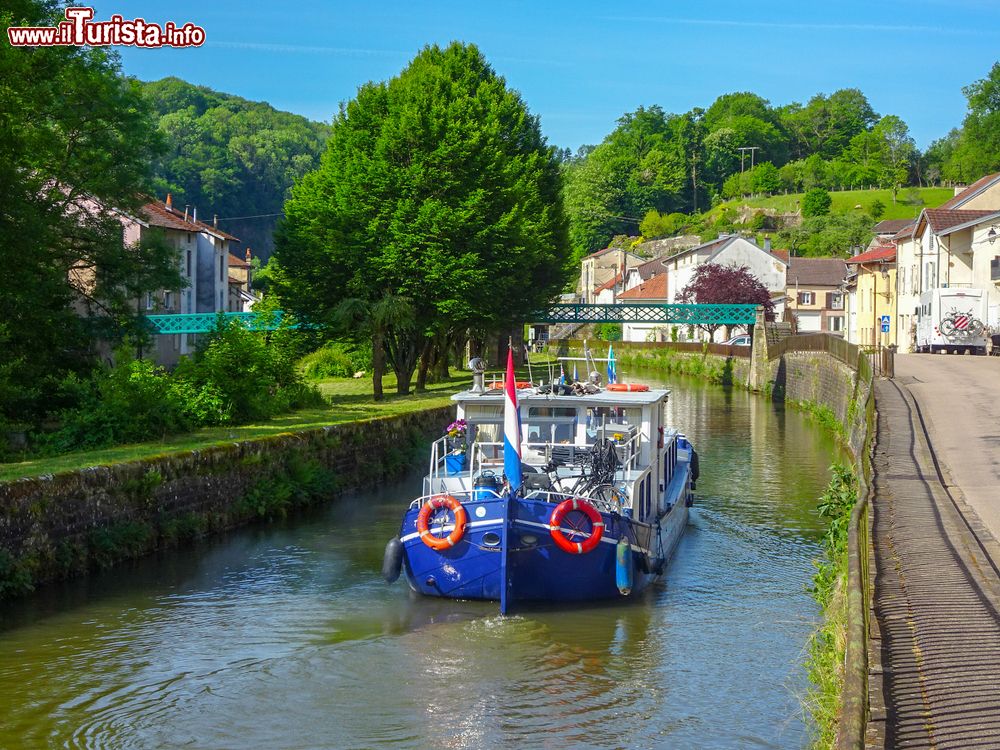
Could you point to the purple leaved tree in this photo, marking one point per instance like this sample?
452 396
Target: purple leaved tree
713 284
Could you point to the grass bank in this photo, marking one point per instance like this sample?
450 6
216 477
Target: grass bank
713 369
827 649
349 400
846 201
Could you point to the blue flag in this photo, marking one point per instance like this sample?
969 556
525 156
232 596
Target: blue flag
612 366
576 379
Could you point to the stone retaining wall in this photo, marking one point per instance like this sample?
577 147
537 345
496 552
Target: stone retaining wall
60 525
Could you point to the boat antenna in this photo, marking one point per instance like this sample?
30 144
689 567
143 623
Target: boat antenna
527 356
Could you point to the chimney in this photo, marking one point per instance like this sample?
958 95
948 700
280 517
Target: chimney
215 220
248 255
767 243
170 202
186 207
194 214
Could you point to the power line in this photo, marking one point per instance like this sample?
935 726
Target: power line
257 216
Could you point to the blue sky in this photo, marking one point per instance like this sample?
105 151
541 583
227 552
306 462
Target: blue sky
580 65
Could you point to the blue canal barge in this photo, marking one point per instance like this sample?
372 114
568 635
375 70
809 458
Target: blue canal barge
603 499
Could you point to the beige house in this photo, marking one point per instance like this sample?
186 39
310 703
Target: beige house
597 269
815 294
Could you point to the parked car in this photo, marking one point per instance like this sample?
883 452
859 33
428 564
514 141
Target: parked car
743 340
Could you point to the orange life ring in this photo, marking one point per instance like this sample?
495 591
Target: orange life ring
596 522
423 520
627 387
519 385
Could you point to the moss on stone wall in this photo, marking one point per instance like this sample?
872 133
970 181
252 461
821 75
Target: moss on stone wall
61 525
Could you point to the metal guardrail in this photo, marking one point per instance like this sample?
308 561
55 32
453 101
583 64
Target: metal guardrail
880 360
694 347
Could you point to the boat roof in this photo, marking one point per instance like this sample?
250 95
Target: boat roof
602 398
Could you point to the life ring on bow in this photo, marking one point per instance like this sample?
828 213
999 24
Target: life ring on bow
627 387
423 522
519 385
596 523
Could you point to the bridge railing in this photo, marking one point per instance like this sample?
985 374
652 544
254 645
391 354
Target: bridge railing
677 314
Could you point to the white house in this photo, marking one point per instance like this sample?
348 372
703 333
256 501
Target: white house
729 250
947 247
653 291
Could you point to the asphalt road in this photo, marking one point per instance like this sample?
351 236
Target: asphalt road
959 397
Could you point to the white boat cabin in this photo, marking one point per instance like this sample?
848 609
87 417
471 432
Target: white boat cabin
560 438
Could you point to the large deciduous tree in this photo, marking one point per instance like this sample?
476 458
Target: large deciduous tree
76 142
437 206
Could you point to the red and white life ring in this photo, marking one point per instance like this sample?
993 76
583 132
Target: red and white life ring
627 387
423 522
596 523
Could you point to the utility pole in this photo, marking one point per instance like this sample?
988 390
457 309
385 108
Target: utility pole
743 150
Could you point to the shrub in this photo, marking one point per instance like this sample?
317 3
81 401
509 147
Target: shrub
608 331
335 360
131 402
816 203
252 374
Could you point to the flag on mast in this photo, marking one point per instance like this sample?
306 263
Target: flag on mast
612 366
511 429
576 378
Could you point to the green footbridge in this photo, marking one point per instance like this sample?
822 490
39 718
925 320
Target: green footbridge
664 314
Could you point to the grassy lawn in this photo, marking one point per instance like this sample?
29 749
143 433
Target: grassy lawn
350 400
847 200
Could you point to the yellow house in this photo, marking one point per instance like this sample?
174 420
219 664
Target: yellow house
875 305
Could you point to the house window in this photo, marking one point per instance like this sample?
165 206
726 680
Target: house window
836 323
149 300
168 300
188 265
222 268
836 301
222 304
190 238
805 298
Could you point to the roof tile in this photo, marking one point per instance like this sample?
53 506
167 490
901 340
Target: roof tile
655 288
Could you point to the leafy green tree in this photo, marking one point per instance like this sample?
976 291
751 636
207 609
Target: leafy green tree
636 168
978 150
816 203
765 179
76 141
827 236
826 125
437 189
877 209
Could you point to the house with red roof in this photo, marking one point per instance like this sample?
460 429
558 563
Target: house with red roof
872 304
654 291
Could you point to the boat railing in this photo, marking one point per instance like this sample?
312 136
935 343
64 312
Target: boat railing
480 495
489 455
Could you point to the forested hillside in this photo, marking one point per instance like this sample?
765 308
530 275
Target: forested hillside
230 156
742 145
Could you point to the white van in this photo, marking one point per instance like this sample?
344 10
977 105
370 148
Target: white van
953 320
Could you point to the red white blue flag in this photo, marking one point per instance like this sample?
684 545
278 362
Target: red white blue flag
511 428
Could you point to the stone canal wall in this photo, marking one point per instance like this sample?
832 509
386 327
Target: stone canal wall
60 525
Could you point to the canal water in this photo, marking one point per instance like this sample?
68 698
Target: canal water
285 636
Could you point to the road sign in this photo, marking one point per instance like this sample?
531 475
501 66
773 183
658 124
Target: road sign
885 323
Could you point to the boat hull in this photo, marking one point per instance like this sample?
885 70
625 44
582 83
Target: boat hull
508 554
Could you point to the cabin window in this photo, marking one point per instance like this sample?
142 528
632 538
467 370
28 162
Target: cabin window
485 423
604 422
547 424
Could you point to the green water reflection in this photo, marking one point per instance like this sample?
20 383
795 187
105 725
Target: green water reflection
285 636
